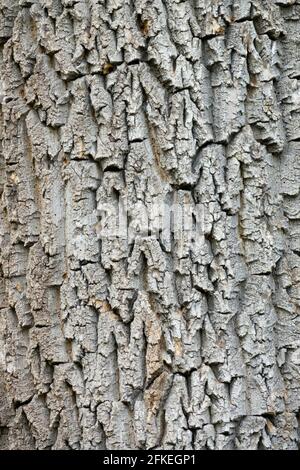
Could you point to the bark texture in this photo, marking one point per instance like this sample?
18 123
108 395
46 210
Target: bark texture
151 341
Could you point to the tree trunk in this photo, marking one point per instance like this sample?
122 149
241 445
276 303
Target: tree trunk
150 235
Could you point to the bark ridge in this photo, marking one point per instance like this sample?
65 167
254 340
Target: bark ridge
149 340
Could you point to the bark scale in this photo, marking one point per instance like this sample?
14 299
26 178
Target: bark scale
149 340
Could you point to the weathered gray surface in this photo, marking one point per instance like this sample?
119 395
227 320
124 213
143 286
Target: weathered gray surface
149 344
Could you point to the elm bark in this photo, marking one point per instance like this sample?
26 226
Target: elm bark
149 342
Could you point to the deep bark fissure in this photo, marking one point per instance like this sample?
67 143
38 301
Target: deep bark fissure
176 335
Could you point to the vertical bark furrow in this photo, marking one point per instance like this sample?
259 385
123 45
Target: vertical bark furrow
149 224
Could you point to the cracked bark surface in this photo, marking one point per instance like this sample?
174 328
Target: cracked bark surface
151 342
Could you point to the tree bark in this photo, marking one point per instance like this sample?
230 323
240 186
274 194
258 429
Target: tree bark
178 332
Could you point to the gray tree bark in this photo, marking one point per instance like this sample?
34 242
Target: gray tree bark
152 339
